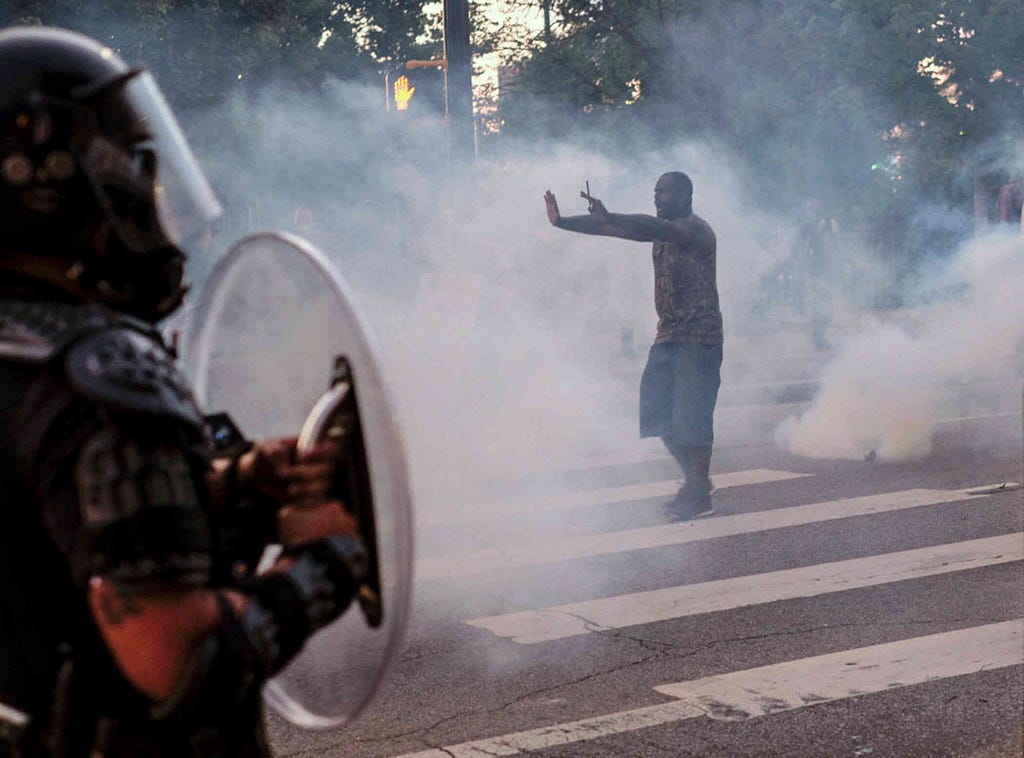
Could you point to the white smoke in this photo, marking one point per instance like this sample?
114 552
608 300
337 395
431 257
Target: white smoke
512 359
503 337
885 389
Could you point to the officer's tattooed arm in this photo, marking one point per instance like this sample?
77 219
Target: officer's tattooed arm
123 497
154 625
152 633
115 604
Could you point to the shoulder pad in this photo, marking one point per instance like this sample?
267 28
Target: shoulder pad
35 332
132 371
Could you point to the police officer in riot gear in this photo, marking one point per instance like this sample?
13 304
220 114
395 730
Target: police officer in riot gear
131 622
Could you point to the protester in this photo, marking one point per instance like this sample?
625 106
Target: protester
679 387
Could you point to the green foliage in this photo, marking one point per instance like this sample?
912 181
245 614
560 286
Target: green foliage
203 51
811 94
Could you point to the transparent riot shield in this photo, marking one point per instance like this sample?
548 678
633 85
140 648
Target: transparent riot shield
277 342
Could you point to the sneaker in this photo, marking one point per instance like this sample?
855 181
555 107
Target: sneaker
684 507
703 510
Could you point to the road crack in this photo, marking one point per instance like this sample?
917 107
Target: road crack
657 649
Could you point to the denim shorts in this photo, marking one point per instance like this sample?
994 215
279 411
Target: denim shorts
678 392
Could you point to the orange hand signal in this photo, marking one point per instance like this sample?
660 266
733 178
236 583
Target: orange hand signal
403 93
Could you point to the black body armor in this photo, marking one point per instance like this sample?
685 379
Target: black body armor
103 454
101 472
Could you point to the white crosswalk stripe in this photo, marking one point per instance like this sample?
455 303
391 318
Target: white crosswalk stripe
572 619
782 687
518 556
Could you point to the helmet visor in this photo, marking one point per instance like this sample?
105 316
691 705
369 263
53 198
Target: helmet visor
185 203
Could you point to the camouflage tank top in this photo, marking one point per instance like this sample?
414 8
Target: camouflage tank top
685 293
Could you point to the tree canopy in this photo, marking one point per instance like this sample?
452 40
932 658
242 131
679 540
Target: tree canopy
856 96
871 106
204 50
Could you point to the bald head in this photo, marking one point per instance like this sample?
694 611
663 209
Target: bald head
673 195
679 180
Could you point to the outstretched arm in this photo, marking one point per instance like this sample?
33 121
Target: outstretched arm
638 227
596 222
688 231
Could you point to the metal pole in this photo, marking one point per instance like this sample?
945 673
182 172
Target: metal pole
458 80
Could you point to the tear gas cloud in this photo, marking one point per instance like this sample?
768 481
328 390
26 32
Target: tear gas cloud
503 337
889 384
505 340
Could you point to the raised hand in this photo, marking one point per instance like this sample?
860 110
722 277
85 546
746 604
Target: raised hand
552 207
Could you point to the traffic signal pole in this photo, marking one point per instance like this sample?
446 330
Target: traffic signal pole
459 80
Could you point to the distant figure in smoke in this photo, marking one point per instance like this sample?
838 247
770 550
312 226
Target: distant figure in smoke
129 625
1010 202
680 383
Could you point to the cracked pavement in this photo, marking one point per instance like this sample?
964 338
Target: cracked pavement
455 684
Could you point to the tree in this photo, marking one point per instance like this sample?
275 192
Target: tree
203 51
872 105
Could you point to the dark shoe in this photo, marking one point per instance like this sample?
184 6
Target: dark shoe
702 510
685 506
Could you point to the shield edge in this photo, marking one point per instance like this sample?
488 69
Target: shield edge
273 694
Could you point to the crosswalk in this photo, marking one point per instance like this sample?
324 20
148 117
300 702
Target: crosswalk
539 553
573 619
781 687
764 690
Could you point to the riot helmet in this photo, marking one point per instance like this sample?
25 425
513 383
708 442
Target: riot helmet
99 191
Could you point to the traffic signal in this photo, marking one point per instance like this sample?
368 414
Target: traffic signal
404 91
417 89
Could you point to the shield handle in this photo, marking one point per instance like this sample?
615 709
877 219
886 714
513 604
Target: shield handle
335 416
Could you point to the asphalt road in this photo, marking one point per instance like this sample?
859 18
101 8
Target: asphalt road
827 608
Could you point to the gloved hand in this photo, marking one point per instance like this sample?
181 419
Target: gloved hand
302 523
299 484
273 470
